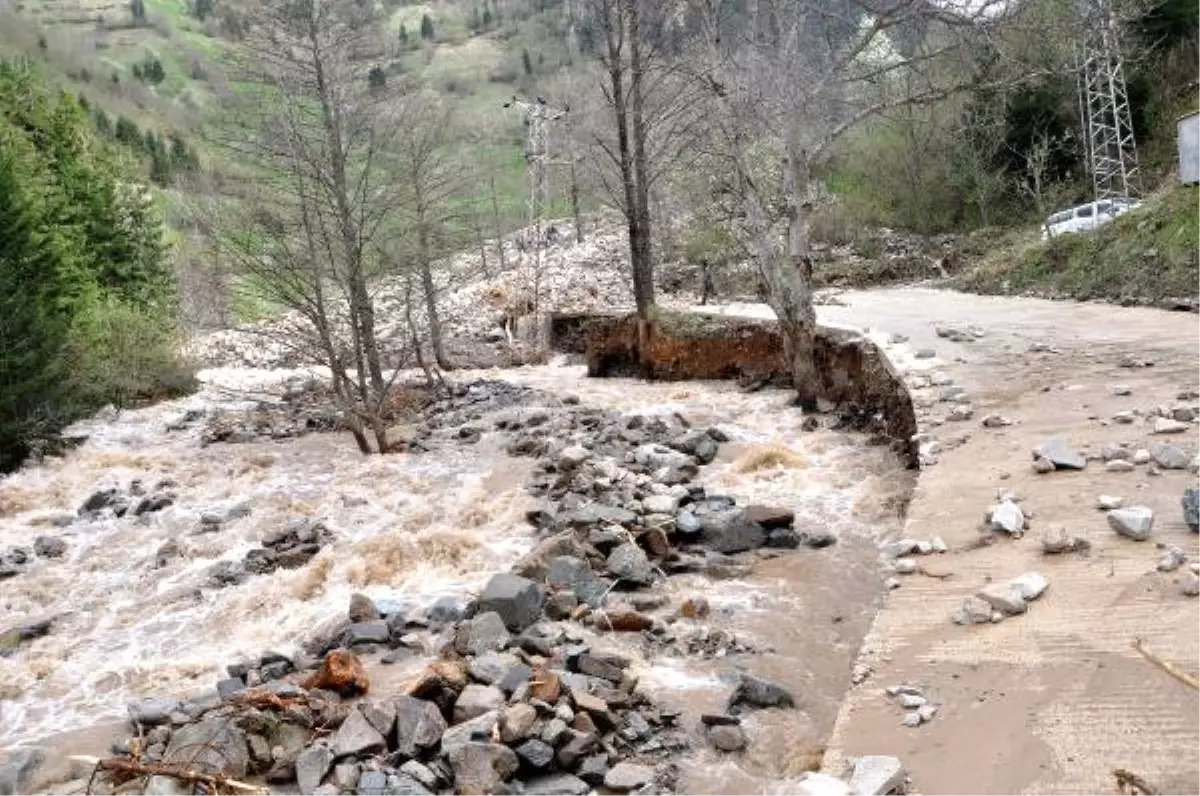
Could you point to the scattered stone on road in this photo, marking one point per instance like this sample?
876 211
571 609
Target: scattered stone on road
1134 522
1003 597
1007 517
1060 455
1170 457
1167 425
1109 502
875 775
1172 559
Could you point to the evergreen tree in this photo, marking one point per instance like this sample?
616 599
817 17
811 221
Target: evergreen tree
403 36
104 124
127 133
427 31
526 62
203 9
137 8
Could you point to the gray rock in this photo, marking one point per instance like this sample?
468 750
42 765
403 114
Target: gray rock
536 753
482 767
379 714
491 667
229 686
1060 455
155 710
1191 508
576 746
345 776
311 766
476 700
516 722
1119 466
100 499
572 457
686 523
1031 585
727 737
927 712
214 745
574 574
419 726
629 563
1003 597
555 732
1134 522
731 530
973 611
517 600
875 775
924 353
1169 425
552 784
911 719
404 785
1170 457
910 701
1109 502
1172 558
1191 585
362 608
356 736
626 776
49 547
422 773
18 766
1007 517
369 783
443 611
1122 389
479 729
375 632
483 633
758 692
593 768
660 504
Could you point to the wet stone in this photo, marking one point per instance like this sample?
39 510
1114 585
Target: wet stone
535 753
556 784
626 776
757 692
727 738
517 600
593 768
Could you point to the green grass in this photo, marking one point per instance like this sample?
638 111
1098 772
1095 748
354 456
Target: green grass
1149 255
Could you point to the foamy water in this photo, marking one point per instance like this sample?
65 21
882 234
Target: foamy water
406 527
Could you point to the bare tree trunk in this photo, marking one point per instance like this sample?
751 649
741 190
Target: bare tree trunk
575 204
435 324
643 264
475 225
497 230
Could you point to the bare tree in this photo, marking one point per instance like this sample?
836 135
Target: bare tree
429 180
310 236
653 108
785 84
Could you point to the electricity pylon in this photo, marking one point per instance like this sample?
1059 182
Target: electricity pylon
1104 108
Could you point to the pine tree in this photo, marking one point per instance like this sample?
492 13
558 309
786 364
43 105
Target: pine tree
403 36
427 31
526 62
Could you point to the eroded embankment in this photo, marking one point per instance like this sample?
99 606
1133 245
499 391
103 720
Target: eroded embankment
856 378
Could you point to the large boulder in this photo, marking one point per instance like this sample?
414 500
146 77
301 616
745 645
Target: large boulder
482 767
311 766
629 563
419 726
214 746
730 530
476 700
517 600
356 736
485 632
757 692
18 766
574 575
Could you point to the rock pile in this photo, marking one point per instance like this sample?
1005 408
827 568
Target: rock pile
521 698
289 547
998 601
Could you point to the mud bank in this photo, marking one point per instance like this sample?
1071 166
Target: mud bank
857 379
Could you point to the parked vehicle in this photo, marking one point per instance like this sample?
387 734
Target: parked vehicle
1085 218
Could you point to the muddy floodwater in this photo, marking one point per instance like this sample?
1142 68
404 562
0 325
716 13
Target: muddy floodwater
133 622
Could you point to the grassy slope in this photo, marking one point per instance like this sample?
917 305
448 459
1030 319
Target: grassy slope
1147 256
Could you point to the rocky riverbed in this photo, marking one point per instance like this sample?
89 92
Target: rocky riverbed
194 555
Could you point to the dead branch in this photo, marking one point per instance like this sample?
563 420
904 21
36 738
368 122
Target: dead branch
1167 667
214 783
1128 782
939 575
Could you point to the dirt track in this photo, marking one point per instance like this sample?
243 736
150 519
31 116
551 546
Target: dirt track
1052 701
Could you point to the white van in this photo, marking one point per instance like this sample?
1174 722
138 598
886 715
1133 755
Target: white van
1087 217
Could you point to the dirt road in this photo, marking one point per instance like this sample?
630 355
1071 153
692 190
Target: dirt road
1052 701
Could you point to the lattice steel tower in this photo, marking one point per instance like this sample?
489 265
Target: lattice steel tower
537 155
1104 108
